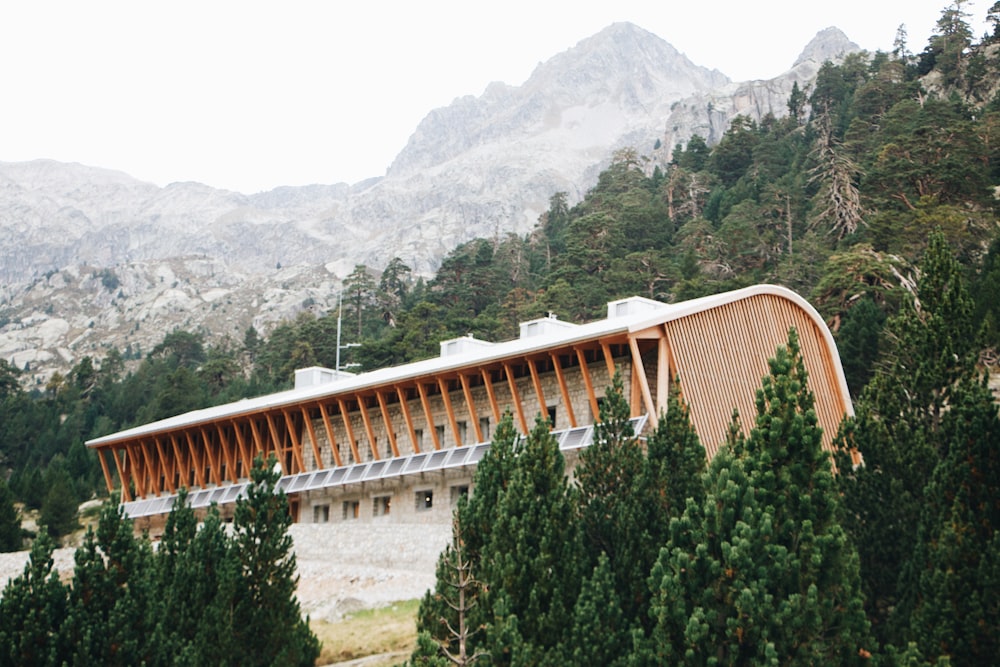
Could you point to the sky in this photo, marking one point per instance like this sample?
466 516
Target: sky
248 95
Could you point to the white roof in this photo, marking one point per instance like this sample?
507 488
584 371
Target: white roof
485 355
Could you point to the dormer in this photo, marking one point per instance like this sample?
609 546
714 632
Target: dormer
544 326
633 305
462 345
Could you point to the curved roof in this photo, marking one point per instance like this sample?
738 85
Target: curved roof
702 346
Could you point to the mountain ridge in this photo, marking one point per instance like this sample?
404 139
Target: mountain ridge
481 167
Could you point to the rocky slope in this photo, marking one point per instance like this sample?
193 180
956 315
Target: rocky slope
92 258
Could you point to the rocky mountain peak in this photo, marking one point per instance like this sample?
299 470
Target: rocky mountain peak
828 44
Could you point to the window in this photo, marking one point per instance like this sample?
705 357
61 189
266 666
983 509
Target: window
458 492
388 449
381 505
439 430
463 430
352 509
419 435
552 415
425 500
321 513
484 426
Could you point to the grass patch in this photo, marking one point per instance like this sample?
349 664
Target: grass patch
389 629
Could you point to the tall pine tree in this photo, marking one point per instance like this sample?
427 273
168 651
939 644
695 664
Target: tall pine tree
762 571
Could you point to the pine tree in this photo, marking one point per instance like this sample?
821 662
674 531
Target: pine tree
112 604
32 609
599 634
762 571
929 352
267 625
476 516
10 521
953 604
612 509
531 561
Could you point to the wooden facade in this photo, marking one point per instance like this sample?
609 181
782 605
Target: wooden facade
716 346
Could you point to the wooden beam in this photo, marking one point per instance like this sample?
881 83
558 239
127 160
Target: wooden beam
199 469
276 444
347 428
446 399
293 433
429 415
639 373
123 476
104 468
609 360
182 461
372 441
245 457
662 375
167 474
226 453
473 415
488 383
213 459
152 478
543 407
408 418
257 440
591 396
134 466
312 438
512 383
329 434
390 433
563 389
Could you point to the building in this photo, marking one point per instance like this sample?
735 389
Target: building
400 444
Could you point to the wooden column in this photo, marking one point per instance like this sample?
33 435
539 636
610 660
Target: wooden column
564 390
312 437
350 431
516 397
293 434
390 433
591 396
488 383
424 401
372 441
123 476
168 475
639 373
328 425
473 415
213 460
543 407
446 399
408 418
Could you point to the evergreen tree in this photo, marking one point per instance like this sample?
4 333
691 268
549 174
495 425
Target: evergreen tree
112 602
531 562
762 571
267 625
930 352
953 604
613 512
32 610
599 634
59 509
10 521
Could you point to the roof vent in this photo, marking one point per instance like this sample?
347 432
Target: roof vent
634 305
462 345
544 326
317 375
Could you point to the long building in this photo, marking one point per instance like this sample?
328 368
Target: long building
401 444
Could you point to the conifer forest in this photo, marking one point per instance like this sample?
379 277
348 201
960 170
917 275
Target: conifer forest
874 197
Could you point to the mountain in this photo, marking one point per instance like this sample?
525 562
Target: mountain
92 258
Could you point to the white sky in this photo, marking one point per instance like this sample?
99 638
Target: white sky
250 95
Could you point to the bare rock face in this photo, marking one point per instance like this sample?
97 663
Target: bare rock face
92 258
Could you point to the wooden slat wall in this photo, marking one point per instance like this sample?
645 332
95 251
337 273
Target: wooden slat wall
733 343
